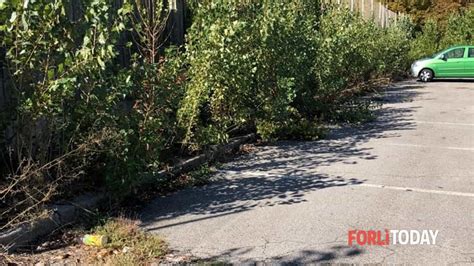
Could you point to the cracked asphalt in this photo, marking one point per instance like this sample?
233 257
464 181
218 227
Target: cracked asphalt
294 202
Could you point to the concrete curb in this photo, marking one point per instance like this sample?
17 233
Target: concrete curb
68 213
58 215
212 154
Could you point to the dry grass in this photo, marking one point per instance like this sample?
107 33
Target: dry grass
129 245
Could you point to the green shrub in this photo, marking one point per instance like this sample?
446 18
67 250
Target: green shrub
426 42
146 132
145 124
63 84
247 64
352 50
459 30
435 37
347 52
394 44
271 64
293 129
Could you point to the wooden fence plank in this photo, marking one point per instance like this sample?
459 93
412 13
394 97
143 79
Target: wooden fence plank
176 21
4 95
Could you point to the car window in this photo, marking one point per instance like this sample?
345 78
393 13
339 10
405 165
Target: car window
471 52
456 53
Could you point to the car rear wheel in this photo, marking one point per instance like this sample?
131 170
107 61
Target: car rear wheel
426 75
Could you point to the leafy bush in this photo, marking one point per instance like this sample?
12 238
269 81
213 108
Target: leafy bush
274 64
435 37
65 92
147 127
460 29
247 64
347 55
352 50
347 51
79 114
394 44
426 42
424 10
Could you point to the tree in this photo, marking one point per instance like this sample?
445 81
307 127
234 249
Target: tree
423 10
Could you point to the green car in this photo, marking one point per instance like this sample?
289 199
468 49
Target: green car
454 62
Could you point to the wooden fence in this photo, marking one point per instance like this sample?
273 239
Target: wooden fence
370 9
4 93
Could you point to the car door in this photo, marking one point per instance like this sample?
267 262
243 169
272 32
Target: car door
451 64
469 64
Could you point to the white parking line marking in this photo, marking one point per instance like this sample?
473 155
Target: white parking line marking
426 146
444 123
451 193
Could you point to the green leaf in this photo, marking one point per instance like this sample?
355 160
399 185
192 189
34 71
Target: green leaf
101 38
60 68
13 17
101 63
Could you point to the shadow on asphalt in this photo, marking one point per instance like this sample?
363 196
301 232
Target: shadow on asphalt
301 257
283 173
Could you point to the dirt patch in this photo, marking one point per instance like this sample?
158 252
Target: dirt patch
127 245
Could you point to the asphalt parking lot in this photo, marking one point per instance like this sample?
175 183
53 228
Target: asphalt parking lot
411 169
